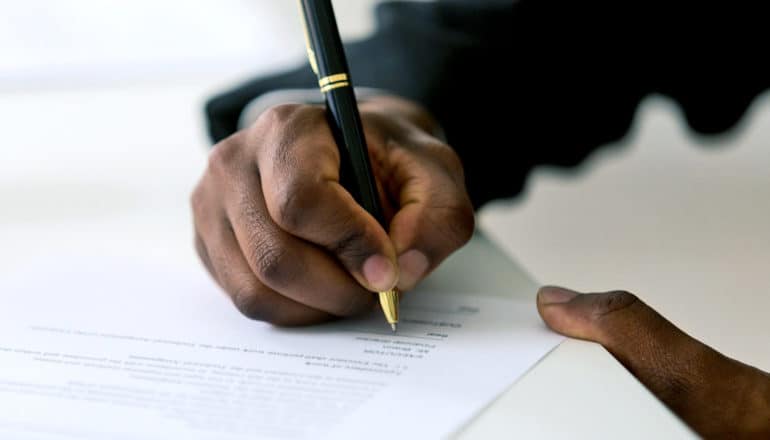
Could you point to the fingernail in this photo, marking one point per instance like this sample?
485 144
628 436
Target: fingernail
412 265
379 273
555 295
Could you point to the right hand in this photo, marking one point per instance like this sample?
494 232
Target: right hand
290 245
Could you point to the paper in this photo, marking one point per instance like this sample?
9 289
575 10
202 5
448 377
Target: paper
121 350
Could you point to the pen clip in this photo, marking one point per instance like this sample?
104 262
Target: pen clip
308 45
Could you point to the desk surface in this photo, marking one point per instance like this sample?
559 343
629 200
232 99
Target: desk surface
102 172
576 391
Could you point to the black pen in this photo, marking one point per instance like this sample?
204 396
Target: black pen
327 58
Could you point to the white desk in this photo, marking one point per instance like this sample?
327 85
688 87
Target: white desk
104 172
577 391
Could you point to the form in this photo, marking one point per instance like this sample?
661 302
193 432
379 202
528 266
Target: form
122 350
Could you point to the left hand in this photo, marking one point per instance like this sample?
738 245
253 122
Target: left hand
717 396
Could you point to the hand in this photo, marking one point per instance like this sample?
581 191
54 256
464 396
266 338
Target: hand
289 244
717 396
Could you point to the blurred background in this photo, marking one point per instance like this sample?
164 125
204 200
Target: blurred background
103 140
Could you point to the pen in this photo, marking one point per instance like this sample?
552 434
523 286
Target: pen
327 59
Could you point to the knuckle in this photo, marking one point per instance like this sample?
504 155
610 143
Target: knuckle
292 127
198 242
451 159
288 122
223 157
284 320
249 299
608 303
291 202
278 114
353 246
200 247
447 157
289 119
197 200
465 223
204 215
272 264
203 254
456 223
257 302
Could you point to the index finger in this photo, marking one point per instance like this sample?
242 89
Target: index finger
300 179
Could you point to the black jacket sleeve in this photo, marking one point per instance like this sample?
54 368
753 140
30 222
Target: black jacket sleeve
520 84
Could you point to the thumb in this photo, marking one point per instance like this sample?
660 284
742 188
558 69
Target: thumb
594 316
640 338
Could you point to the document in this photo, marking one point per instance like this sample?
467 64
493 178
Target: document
124 350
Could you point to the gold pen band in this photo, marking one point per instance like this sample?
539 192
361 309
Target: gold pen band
337 77
332 82
334 86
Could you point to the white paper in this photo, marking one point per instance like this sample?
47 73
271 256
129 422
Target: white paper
122 350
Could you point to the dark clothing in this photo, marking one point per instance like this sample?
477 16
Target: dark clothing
516 85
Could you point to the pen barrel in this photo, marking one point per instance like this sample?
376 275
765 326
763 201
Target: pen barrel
328 59
355 167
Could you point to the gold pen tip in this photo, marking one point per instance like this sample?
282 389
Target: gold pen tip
393 326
